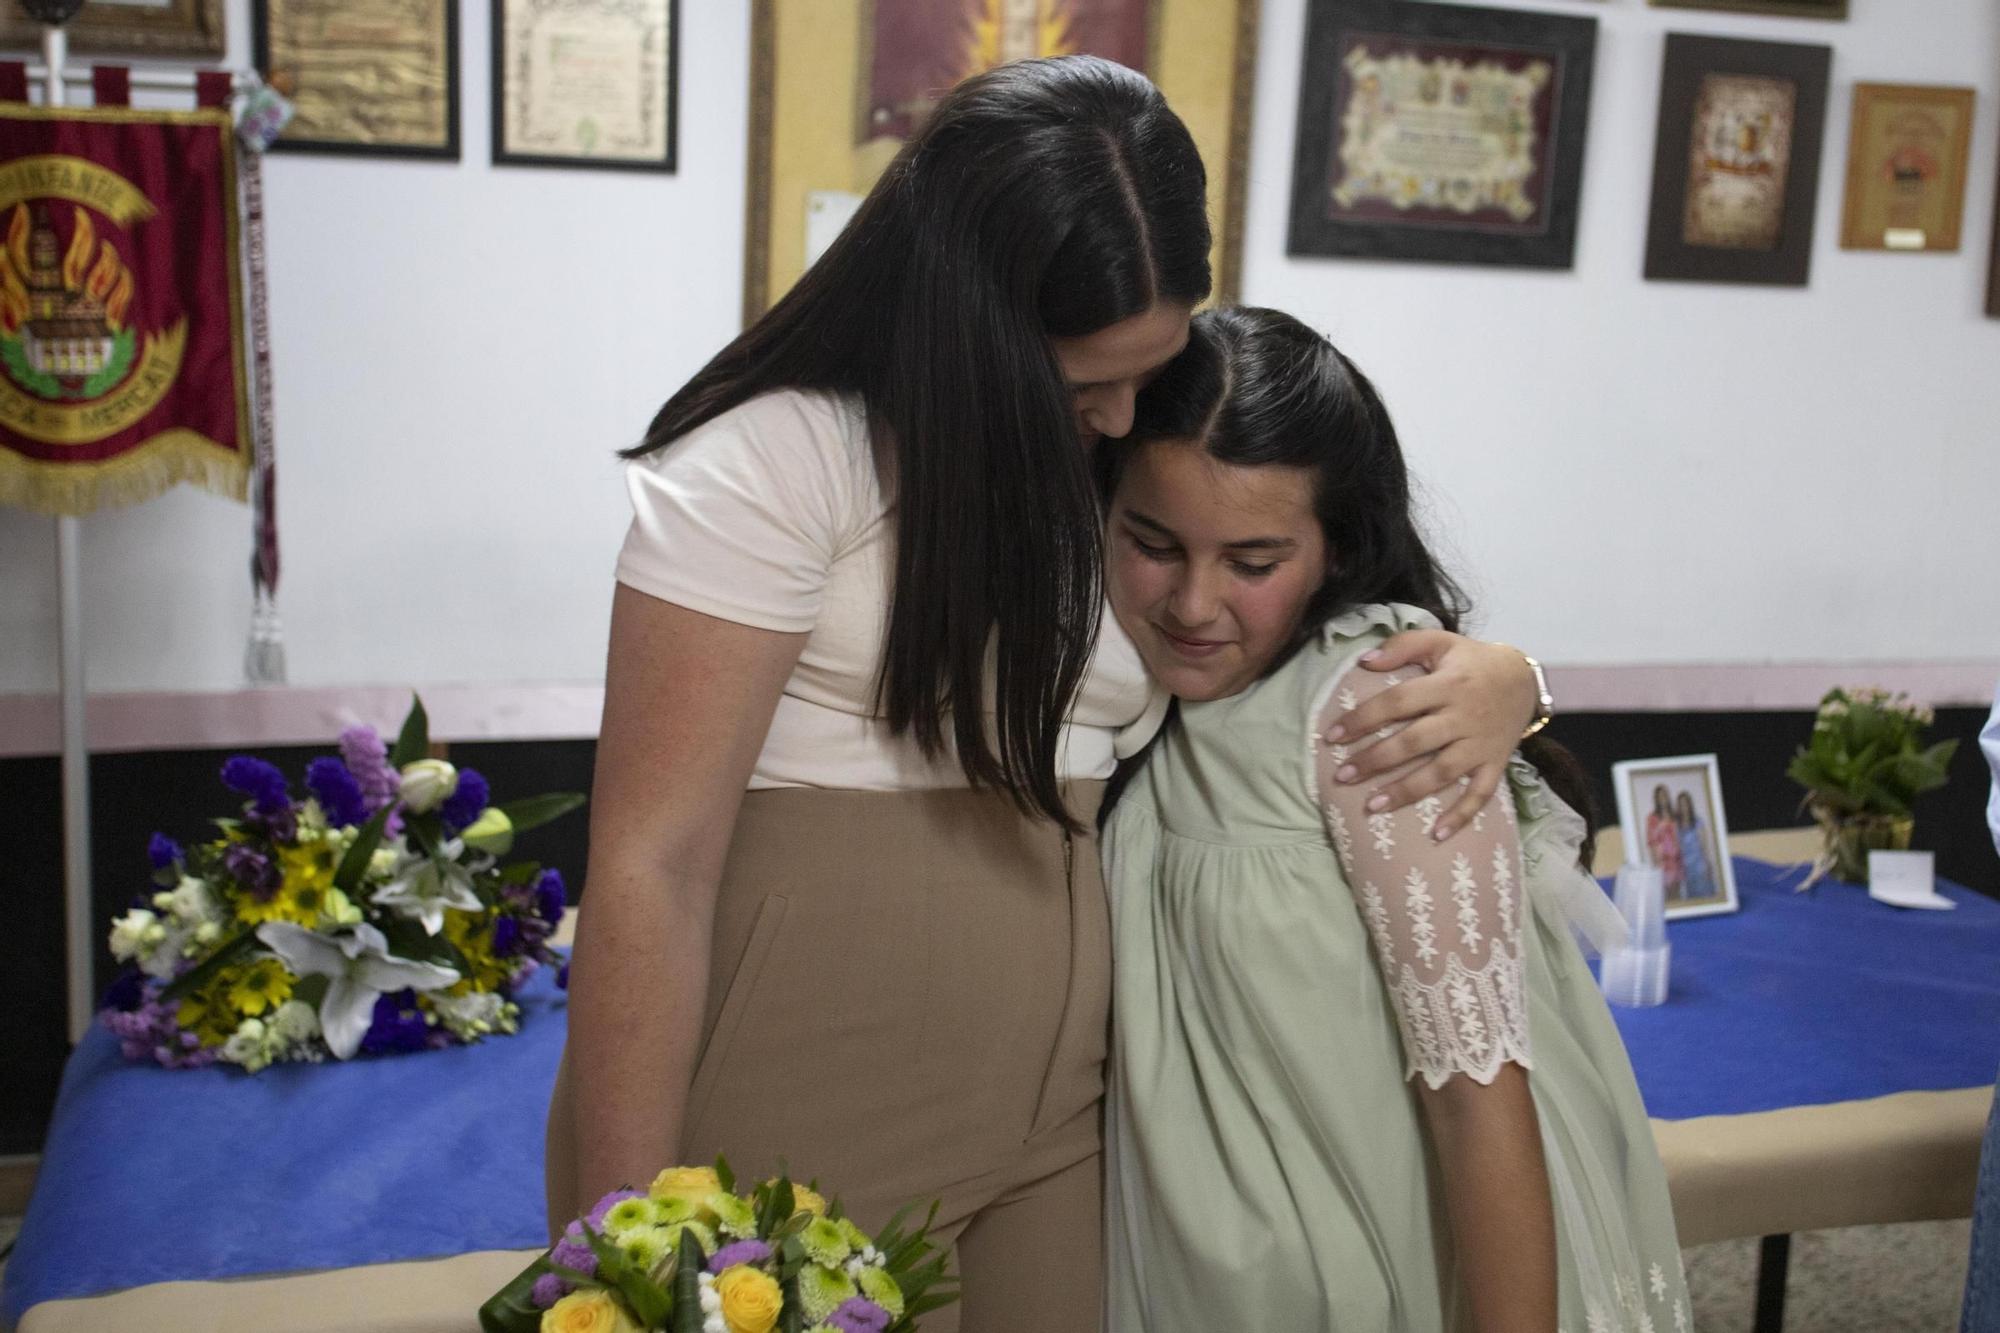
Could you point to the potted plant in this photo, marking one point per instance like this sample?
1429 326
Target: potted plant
1864 765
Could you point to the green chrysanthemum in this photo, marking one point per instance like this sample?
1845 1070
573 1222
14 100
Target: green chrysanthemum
671 1212
703 1233
626 1217
646 1246
824 1243
857 1239
734 1216
879 1287
821 1290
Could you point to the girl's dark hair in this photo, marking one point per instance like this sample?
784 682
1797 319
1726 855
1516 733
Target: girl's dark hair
1256 388
1042 199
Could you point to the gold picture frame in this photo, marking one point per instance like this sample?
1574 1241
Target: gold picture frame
806 60
1908 147
134 27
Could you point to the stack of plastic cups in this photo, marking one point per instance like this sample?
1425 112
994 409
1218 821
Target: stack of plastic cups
1635 973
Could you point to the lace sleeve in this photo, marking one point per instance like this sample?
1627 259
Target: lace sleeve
1445 917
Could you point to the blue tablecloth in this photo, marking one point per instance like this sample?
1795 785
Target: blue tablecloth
156 1175
1820 996
153 1175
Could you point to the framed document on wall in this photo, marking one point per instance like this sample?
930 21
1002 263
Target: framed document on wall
137 27
1441 132
836 86
585 83
376 77
1802 9
1736 161
1907 148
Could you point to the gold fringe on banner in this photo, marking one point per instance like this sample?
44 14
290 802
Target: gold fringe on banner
162 462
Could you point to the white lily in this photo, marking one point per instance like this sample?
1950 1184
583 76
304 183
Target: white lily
358 966
422 886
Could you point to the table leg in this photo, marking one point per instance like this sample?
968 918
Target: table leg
1774 1261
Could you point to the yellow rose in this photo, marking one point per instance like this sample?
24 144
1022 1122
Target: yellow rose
592 1311
751 1301
692 1184
805 1200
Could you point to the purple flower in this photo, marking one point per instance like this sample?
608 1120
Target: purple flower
595 1217
125 994
858 1314
465 803
572 1251
163 851
399 1025
338 792
739 1252
506 934
367 759
548 1289
252 870
151 1032
550 896
261 782
562 977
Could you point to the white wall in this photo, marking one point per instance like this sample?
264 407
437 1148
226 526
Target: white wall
1642 471
1637 472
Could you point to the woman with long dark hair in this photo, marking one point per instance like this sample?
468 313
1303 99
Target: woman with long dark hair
863 582
1361 1077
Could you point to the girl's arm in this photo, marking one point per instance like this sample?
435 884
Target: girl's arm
1463 716
1447 921
688 699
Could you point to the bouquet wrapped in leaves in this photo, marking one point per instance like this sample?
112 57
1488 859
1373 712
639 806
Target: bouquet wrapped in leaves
1863 767
690 1254
368 913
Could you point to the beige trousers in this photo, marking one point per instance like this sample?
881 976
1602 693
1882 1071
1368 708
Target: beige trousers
909 1000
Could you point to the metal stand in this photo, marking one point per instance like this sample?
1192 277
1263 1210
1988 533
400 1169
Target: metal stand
1774 1263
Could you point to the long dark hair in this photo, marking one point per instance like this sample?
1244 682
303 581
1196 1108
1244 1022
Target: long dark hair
1256 388
1042 199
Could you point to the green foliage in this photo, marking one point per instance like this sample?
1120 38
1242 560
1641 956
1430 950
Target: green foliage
1867 756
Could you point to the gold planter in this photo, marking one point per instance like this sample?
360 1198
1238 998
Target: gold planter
1849 839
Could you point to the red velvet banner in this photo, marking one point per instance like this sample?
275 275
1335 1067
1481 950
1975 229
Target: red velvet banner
121 349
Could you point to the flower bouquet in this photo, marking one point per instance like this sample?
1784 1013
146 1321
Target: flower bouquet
1862 767
371 914
692 1255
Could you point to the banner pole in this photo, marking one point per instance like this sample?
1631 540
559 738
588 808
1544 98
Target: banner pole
77 907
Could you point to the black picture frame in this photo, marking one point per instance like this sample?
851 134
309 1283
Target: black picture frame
501 156
1688 60
1833 10
1569 42
1993 261
447 151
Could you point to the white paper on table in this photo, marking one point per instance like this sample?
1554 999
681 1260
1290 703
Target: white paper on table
1906 879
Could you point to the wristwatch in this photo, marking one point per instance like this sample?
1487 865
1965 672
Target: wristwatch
1545 703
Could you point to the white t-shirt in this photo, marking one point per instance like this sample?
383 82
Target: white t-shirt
771 515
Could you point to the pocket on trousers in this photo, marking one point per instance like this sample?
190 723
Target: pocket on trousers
735 1003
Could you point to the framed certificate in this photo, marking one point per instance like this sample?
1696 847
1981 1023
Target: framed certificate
1442 133
376 77
140 27
836 86
1736 161
585 83
1907 148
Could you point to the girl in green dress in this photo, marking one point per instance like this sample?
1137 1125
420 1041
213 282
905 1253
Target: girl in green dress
1362 1077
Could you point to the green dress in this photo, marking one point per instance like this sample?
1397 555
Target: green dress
1284 965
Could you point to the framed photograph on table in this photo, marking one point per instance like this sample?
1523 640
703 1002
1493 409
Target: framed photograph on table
1907 149
1802 9
372 77
1670 812
1736 161
837 86
1441 133
131 27
585 83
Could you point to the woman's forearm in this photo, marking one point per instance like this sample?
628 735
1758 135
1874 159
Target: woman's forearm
638 984
1496 1185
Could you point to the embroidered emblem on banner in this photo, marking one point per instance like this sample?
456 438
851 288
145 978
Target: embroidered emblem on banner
120 324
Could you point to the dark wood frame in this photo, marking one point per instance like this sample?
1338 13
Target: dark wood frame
1570 40
1687 60
1799 9
260 27
501 157
1993 262
188 27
